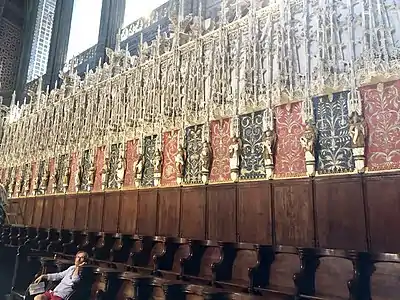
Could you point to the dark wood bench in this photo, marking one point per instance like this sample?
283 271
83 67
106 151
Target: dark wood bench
385 276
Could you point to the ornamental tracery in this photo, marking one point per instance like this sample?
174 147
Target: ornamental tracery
256 56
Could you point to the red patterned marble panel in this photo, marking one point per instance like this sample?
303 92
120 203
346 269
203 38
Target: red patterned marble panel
99 167
51 172
382 116
170 150
71 186
220 140
131 157
18 174
289 159
34 175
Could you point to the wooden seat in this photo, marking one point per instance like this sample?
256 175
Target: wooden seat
281 264
235 269
203 257
385 276
144 267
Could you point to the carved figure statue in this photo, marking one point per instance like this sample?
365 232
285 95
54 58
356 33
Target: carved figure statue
357 131
139 165
120 171
91 175
235 148
45 180
357 134
180 160
205 157
105 173
78 178
268 145
27 181
54 180
66 175
18 186
11 186
307 141
157 161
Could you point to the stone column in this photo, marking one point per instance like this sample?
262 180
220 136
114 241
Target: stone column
112 18
59 40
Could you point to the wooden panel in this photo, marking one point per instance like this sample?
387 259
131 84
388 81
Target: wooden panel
82 208
58 211
340 213
168 212
29 211
69 211
47 212
38 213
221 210
95 215
17 206
111 211
382 196
128 212
147 217
254 213
193 210
293 209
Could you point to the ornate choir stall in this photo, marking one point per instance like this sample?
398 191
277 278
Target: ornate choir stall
270 91
257 153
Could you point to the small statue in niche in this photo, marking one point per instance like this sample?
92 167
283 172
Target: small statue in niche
205 160
357 133
105 172
78 178
157 161
139 165
36 185
18 186
27 181
268 152
45 180
180 159
307 141
11 186
91 175
54 179
65 179
120 171
138 170
235 149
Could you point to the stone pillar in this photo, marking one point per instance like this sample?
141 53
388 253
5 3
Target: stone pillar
112 18
59 40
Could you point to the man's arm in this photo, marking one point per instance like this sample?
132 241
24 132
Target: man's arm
56 276
75 275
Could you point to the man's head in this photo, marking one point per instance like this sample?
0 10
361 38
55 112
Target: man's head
81 257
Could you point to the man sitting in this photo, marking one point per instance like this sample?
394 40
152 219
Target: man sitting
69 278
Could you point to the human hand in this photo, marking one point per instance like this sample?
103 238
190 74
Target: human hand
82 264
39 279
